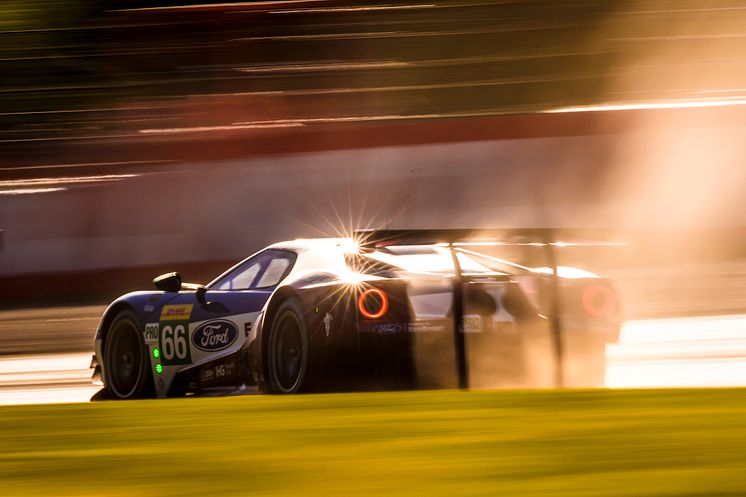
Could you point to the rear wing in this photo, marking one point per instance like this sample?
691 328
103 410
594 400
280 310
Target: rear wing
502 236
547 238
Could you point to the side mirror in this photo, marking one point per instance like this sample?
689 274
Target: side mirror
199 291
169 282
200 294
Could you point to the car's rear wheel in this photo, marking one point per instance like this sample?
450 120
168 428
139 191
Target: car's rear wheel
126 370
287 349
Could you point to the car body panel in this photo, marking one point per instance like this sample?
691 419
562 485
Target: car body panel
188 334
217 341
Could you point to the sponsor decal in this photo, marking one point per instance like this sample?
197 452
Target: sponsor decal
148 308
152 333
427 327
214 335
220 371
473 324
328 324
216 372
206 375
387 328
174 343
178 312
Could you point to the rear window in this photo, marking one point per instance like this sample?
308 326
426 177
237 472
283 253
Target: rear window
426 259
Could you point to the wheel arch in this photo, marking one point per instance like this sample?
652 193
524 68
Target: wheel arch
108 318
278 297
110 315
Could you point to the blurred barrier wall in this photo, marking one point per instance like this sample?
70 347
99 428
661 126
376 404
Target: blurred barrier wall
662 173
184 136
225 210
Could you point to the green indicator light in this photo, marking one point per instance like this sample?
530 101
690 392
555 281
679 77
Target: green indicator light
156 353
158 368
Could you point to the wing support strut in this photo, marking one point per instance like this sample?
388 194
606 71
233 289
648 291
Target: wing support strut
459 340
543 237
554 312
462 368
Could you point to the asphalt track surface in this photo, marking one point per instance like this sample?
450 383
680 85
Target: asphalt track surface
676 352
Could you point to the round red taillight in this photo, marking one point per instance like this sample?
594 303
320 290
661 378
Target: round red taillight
373 303
599 301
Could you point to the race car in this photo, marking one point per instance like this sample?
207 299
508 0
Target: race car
378 310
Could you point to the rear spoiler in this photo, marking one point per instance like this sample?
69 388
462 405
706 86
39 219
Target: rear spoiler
548 238
474 236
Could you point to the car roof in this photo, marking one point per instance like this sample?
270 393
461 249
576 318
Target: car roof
312 244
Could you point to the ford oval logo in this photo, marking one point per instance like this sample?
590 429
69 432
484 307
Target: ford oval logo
214 335
387 329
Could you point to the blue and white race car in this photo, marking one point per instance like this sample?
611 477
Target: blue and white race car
383 309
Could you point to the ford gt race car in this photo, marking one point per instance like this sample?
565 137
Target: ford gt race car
383 309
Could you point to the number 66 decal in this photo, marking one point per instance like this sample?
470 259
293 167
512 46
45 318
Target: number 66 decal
175 344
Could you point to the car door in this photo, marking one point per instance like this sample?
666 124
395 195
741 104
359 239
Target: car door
239 296
194 333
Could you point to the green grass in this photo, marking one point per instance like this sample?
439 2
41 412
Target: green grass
558 443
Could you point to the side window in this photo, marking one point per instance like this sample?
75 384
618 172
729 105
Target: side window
264 270
276 270
242 278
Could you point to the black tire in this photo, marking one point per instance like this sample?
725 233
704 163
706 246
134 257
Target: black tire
102 394
287 350
127 372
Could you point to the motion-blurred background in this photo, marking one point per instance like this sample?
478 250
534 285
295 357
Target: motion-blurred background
138 137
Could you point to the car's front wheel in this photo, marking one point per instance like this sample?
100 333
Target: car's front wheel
126 370
287 349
